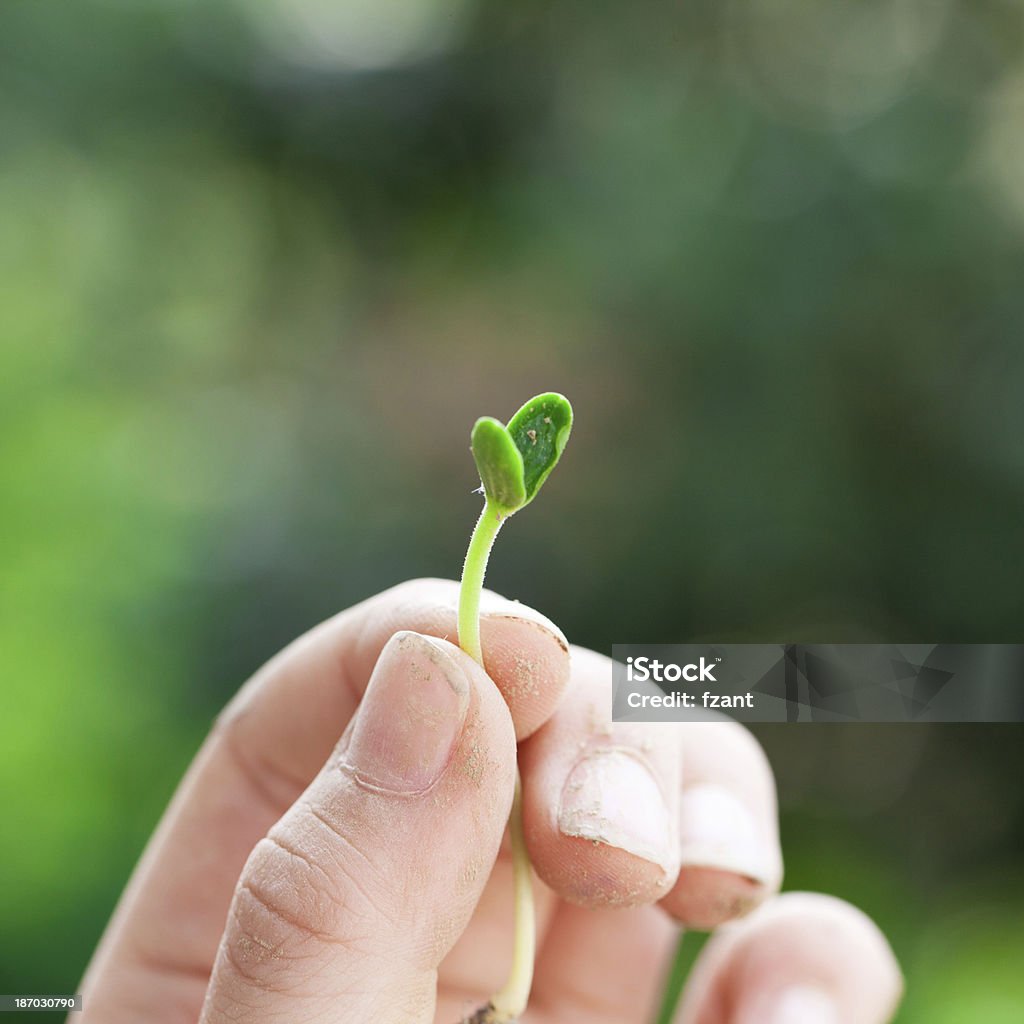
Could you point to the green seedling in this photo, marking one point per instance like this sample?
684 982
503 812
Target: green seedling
513 462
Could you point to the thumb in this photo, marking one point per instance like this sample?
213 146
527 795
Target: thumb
347 907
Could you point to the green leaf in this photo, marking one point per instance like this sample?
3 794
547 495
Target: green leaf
540 431
514 461
499 464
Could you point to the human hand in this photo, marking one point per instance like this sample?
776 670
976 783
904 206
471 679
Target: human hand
364 879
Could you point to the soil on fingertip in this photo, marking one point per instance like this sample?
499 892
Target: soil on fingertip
486 1015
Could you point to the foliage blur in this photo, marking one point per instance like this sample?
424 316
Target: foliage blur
262 263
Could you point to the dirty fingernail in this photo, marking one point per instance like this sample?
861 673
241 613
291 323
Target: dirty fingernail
410 718
718 831
797 1004
611 797
495 606
533 620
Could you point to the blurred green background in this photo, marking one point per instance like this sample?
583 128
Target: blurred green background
262 262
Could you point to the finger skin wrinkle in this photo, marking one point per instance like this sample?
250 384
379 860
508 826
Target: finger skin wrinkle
379 894
253 905
369 870
302 931
324 898
276 837
286 911
235 953
269 950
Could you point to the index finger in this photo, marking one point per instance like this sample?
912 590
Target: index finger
291 713
155 959
625 813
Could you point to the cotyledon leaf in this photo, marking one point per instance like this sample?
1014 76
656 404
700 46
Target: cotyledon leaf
540 430
499 463
514 461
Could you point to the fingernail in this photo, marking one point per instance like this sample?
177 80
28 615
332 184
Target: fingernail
492 606
798 1004
546 629
410 718
718 831
611 797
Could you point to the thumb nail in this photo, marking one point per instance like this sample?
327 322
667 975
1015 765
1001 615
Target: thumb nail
410 718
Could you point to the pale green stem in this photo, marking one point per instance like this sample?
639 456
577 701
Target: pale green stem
510 1002
473 571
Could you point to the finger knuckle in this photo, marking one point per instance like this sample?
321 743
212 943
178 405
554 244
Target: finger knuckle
289 913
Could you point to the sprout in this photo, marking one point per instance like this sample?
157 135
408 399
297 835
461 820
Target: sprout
513 462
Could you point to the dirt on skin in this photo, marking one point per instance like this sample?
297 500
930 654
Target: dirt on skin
486 1015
